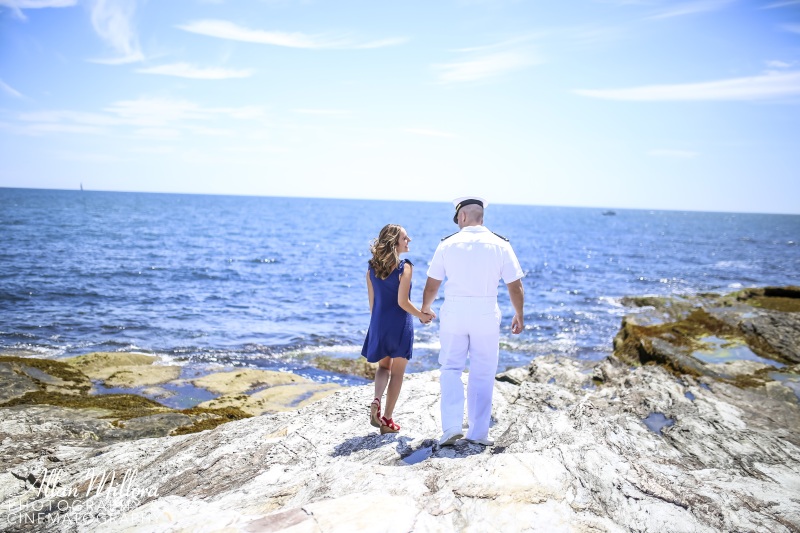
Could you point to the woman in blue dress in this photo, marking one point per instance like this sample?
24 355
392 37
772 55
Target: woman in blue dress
391 330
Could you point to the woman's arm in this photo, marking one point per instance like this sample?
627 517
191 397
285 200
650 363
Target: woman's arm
369 292
402 293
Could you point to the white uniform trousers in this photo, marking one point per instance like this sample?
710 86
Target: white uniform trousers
469 326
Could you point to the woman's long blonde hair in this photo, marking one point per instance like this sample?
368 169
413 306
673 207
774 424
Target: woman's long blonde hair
384 251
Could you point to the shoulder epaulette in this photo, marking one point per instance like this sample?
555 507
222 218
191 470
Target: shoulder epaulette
444 238
504 238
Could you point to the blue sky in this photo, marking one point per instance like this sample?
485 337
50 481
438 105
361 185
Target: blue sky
648 104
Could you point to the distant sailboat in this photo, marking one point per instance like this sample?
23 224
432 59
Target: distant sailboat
81 185
609 213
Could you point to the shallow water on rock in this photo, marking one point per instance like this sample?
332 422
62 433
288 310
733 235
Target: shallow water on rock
723 350
418 456
655 422
788 379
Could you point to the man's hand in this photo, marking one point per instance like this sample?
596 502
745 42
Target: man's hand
427 316
517 294
517 324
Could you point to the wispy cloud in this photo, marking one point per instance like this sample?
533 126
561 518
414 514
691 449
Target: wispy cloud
764 87
17 6
185 70
160 112
381 43
87 156
426 132
782 4
10 90
691 8
223 29
487 62
678 154
778 64
146 117
794 28
329 112
113 22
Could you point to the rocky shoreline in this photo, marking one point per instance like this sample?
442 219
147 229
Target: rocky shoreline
692 425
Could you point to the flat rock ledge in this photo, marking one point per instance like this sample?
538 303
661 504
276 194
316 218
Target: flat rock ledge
607 447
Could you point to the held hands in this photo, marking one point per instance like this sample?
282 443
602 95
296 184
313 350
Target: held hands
427 316
517 324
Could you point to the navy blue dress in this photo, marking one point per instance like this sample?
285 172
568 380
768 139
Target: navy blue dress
391 329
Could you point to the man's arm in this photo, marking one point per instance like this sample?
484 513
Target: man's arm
517 294
429 294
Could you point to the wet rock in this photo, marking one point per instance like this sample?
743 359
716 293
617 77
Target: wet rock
53 390
275 399
120 369
240 381
354 367
15 383
46 374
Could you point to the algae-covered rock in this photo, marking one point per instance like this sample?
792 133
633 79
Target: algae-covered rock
274 399
121 369
737 337
354 367
58 389
44 374
239 381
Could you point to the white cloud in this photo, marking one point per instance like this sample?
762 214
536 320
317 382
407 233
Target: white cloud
74 117
763 87
782 4
692 8
162 134
185 70
330 112
36 4
426 132
44 127
224 29
778 64
487 62
679 154
17 6
87 157
794 28
10 90
155 118
394 41
113 22
159 112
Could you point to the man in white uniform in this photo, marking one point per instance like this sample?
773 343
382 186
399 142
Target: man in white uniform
473 261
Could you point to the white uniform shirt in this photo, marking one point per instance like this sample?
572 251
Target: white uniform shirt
474 260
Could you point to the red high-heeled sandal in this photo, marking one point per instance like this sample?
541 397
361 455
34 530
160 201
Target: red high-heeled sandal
375 413
388 426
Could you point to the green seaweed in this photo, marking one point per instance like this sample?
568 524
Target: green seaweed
122 406
354 367
57 369
202 420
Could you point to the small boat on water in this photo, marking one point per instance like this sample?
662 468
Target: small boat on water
609 213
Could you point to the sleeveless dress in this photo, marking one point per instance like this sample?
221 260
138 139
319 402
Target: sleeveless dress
391 329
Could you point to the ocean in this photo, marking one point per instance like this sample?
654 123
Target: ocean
274 282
